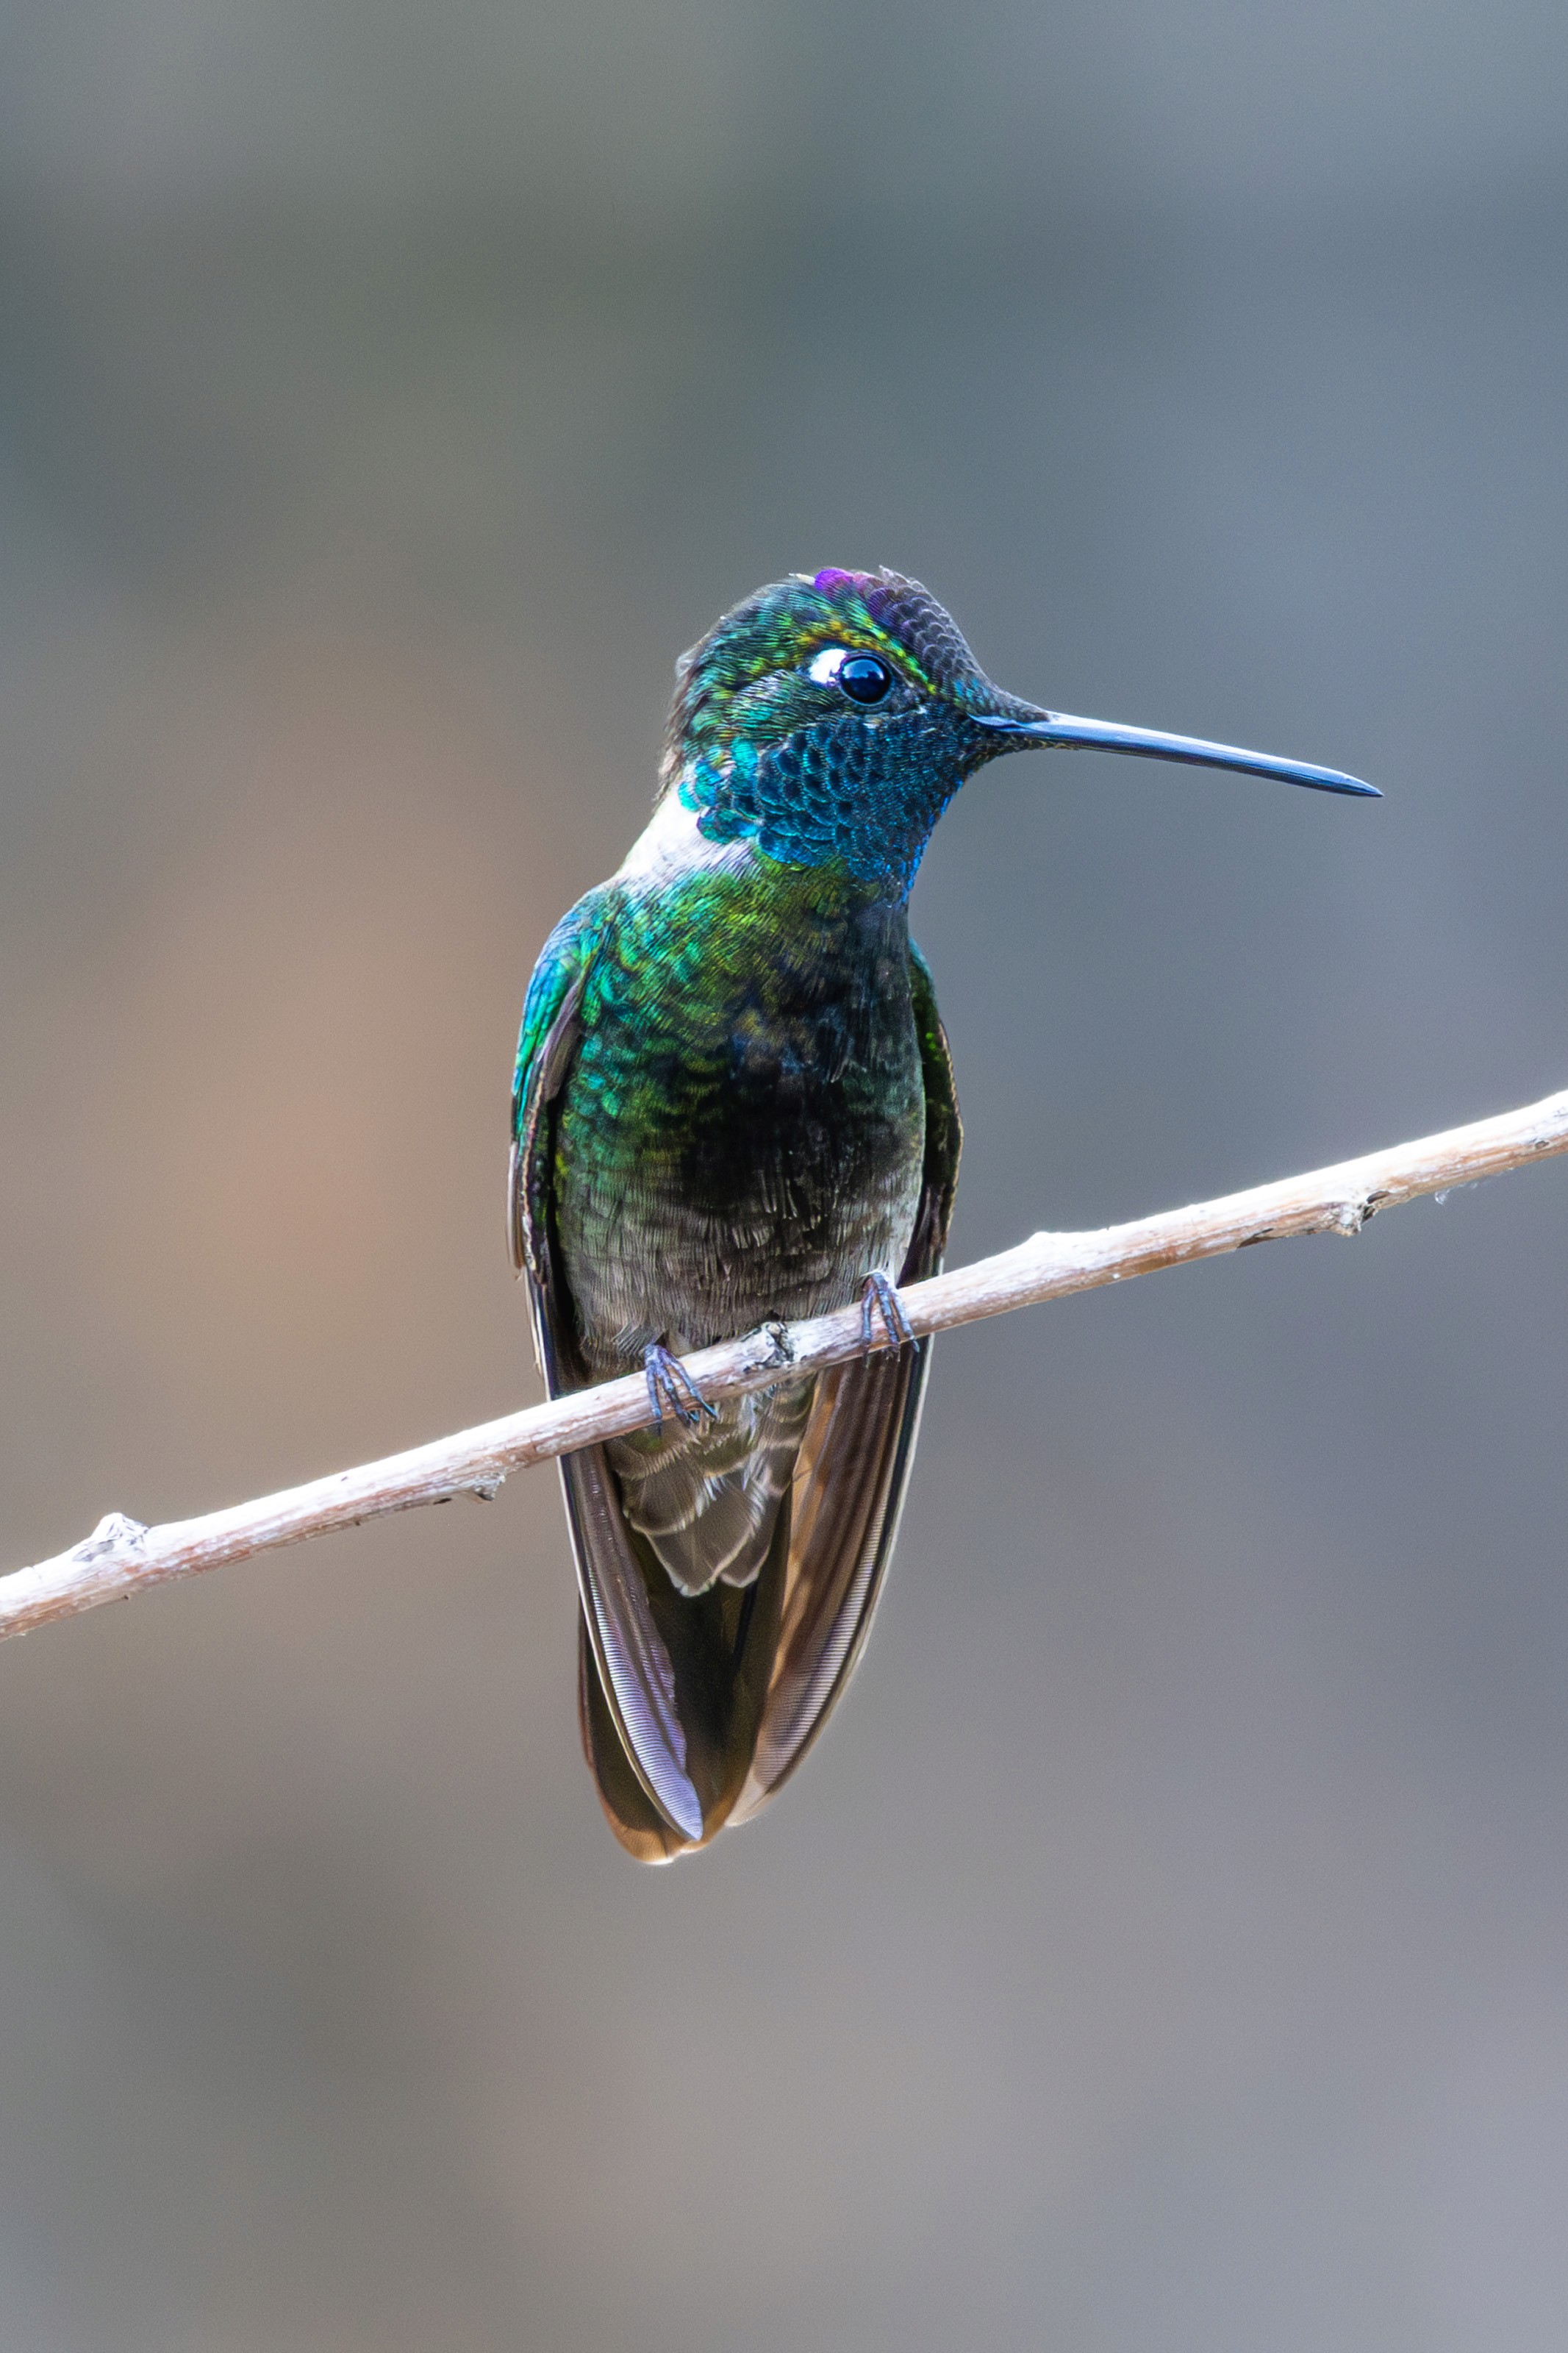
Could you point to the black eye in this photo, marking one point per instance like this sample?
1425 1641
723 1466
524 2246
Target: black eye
864 679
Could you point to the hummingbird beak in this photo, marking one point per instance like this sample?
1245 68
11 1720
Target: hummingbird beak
1059 731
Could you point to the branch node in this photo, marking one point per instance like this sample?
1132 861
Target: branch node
114 1533
781 1347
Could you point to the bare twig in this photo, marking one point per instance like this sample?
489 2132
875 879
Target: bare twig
120 1557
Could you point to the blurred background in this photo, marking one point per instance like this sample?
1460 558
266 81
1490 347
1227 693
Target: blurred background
1167 1949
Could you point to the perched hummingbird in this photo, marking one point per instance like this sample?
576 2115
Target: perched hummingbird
734 1103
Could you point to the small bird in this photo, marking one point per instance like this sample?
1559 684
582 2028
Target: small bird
733 1105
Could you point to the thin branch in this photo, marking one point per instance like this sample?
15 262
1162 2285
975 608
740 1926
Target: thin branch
121 1557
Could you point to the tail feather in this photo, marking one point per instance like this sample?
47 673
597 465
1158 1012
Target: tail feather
707 1498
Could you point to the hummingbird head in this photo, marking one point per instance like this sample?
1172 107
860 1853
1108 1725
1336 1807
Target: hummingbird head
831 717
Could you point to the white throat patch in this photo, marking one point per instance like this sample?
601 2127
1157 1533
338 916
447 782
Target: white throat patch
671 843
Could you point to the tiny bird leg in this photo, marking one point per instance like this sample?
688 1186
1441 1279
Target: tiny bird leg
878 1294
668 1380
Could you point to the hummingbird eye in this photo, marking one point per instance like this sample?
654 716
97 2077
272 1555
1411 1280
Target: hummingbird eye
864 677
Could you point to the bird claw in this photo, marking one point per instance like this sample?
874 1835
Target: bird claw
878 1294
668 1377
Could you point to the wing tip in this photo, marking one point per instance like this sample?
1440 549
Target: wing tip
639 1824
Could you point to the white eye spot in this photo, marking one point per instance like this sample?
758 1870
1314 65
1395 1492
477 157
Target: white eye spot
823 668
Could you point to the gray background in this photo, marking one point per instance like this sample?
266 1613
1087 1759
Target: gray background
1167 1951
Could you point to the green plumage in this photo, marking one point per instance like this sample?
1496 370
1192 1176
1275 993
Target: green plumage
740 1136
728 1138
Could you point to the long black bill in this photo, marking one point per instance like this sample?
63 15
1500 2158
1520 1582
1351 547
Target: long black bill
1059 730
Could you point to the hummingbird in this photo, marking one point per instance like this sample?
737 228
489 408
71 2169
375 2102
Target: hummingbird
733 1105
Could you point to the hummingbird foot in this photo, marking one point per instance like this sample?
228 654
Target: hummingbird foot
879 1297
669 1382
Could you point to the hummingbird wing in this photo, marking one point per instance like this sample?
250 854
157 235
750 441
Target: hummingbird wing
695 1709
853 1469
631 1667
